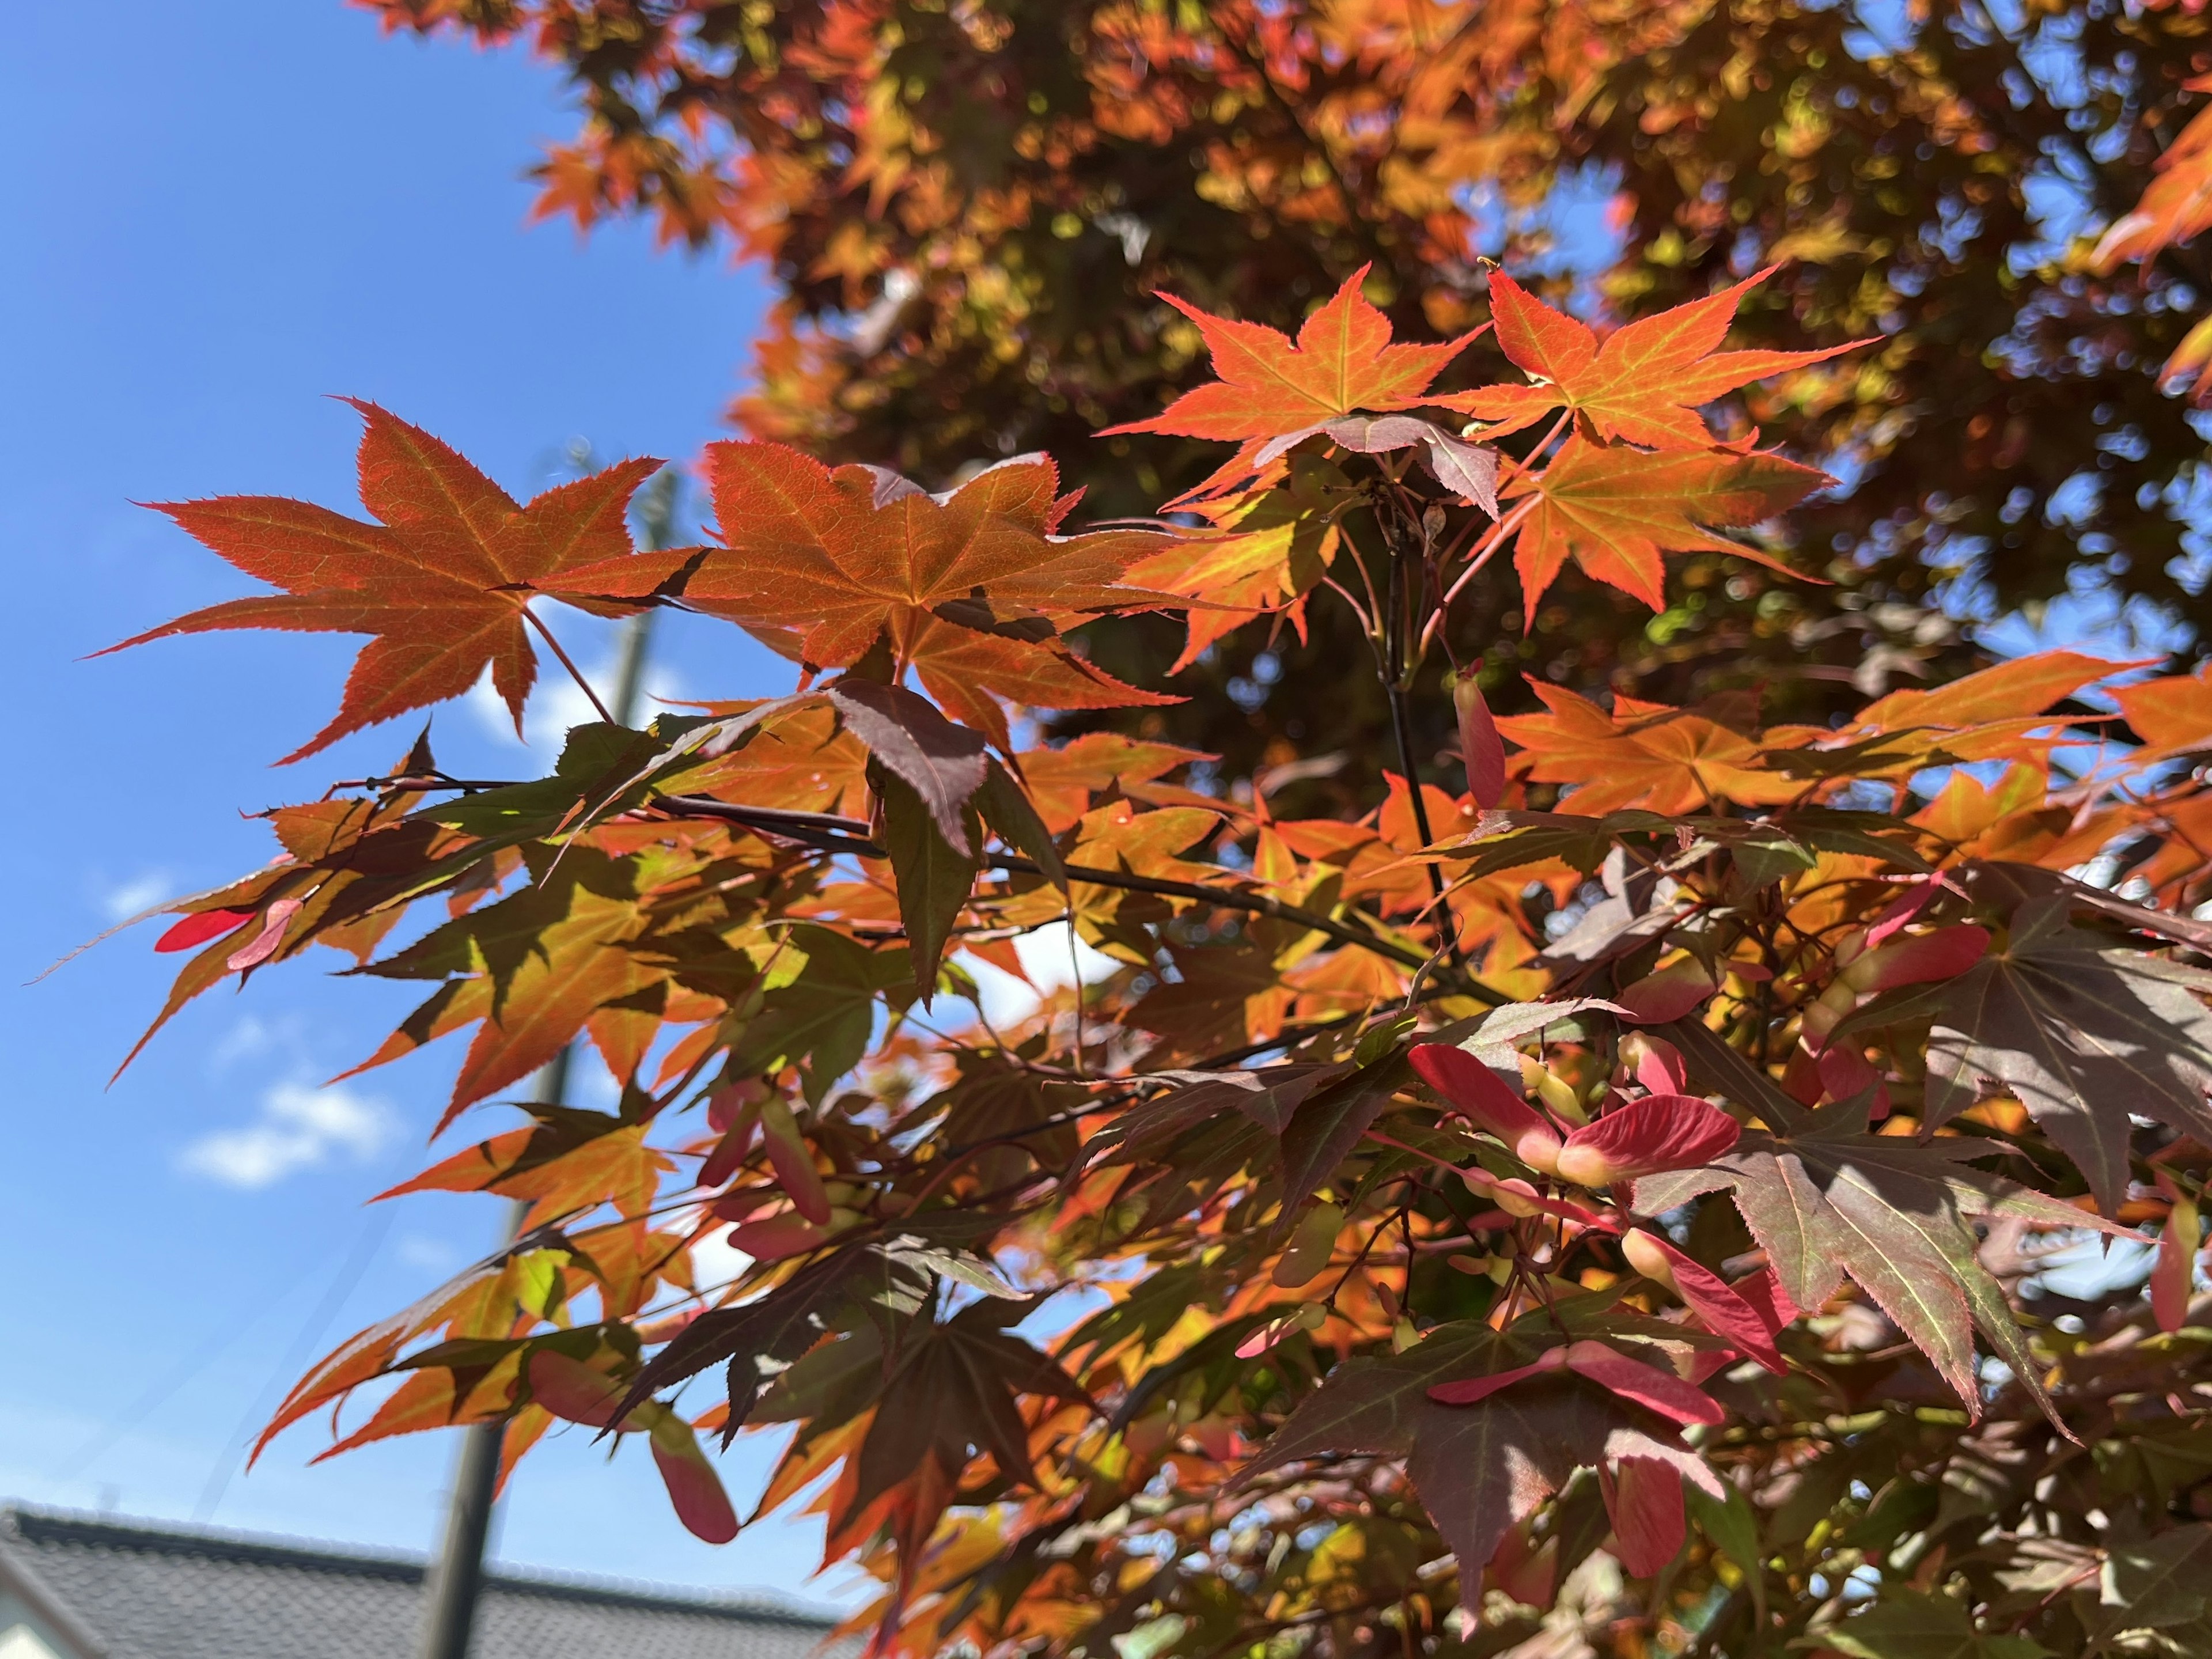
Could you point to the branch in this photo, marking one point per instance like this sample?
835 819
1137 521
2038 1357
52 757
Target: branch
813 830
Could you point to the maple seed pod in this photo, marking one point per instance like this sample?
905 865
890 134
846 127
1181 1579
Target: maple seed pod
793 1160
573 1391
201 926
1670 994
1916 959
1554 1090
1310 1247
1480 743
1474 1090
1656 1063
2173 1270
1945 953
1646 1137
695 1491
1645 1503
1833 1008
1719 1306
1644 1256
1516 1197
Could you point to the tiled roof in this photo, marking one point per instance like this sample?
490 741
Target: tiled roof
149 1592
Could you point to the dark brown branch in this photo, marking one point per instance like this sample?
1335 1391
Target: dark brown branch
766 817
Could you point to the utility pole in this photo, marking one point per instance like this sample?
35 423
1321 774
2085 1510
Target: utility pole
455 1581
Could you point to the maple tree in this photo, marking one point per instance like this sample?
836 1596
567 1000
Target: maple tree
966 213
1598 1200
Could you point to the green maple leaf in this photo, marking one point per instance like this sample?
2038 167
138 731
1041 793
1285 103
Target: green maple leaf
821 1018
1908 1624
2154 1584
539 962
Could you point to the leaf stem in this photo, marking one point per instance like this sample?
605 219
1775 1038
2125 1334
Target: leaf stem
1490 544
574 672
1398 624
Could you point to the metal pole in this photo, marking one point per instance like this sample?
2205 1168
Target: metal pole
455 1581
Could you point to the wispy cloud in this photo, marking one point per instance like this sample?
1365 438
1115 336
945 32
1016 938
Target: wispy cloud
557 702
126 899
300 1127
433 1254
251 1036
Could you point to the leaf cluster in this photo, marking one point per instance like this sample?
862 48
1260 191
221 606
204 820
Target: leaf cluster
1605 1205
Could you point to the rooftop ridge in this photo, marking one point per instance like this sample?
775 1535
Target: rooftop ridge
36 1524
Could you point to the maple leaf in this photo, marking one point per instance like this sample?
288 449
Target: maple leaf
1643 384
761 1336
2080 1034
957 1386
2172 713
568 1161
1613 511
539 963
1269 549
821 1009
1908 1624
942 762
481 1302
442 580
1223 996
1827 1198
1671 760
1477 1469
820 562
2177 206
1343 360
1062 781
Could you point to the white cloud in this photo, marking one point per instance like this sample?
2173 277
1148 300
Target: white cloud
139 893
715 1261
557 702
300 1127
431 1254
251 1037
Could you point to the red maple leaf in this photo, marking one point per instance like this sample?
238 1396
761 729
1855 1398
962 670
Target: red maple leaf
1644 384
441 581
972 588
1270 386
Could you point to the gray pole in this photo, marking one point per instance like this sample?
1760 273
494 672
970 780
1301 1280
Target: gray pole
456 1577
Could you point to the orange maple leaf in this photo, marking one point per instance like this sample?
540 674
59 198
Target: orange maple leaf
2177 206
1643 385
1614 511
1343 360
972 588
1671 760
442 581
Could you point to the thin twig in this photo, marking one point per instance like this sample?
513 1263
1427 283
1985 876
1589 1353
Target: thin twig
780 823
574 672
1496 540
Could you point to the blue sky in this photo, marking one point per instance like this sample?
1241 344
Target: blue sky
226 212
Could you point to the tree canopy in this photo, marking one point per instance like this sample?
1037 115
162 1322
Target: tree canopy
968 210
1598 1199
